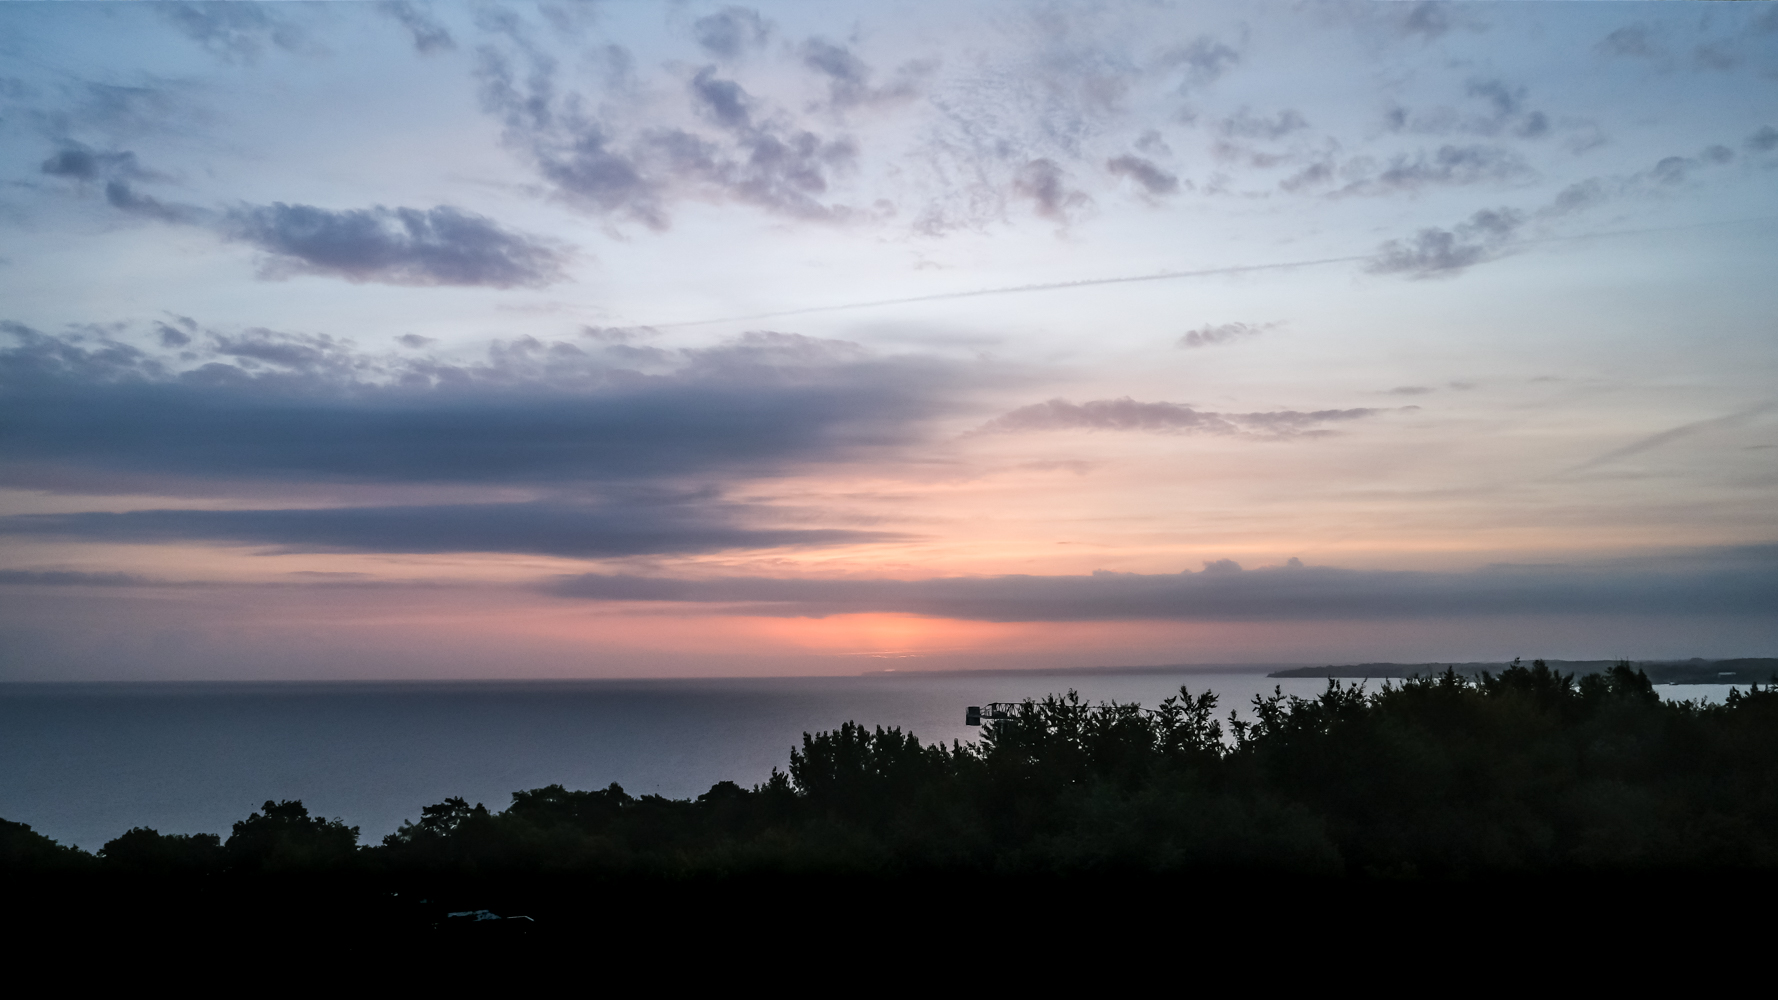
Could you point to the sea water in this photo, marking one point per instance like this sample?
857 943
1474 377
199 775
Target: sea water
82 763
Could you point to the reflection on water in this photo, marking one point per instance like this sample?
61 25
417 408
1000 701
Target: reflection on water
82 763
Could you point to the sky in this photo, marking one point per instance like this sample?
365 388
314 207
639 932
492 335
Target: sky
623 339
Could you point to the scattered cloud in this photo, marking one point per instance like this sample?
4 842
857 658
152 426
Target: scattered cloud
754 157
123 196
1223 333
1152 178
1045 184
722 100
730 32
401 246
1434 252
1672 170
848 78
77 162
1153 144
1127 414
619 334
1668 172
1428 19
1251 141
172 336
1314 175
1633 40
117 169
1504 111
1721 56
1509 111
90 114
428 34
397 246
1204 60
236 32
1579 196
1448 165
1244 124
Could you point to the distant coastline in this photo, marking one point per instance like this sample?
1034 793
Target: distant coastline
1747 670
1744 670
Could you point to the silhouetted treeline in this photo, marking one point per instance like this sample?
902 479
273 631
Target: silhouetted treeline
1527 771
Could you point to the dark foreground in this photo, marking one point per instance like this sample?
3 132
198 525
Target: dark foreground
1445 796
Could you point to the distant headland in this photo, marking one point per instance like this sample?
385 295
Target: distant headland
1747 670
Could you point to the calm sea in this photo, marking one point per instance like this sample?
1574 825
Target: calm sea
84 762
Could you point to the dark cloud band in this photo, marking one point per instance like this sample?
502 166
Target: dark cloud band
260 404
654 526
1733 582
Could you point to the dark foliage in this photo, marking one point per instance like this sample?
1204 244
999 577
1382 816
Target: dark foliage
149 852
1521 774
284 837
23 849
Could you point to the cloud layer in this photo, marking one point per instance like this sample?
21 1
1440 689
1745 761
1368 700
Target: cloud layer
1734 582
625 526
264 404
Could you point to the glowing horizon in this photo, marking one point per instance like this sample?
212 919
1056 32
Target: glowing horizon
407 340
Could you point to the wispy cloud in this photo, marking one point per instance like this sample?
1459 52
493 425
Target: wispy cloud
398 246
1449 165
1211 334
1495 108
1174 418
72 578
1671 435
1152 178
79 162
429 36
237 32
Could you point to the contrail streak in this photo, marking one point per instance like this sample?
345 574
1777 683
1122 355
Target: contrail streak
1057 286
1050 286
1675 434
